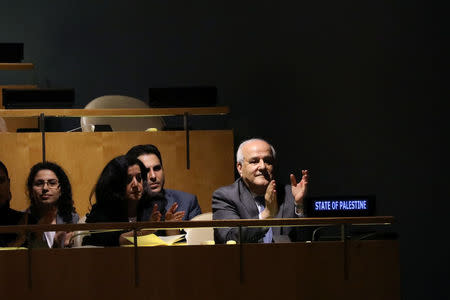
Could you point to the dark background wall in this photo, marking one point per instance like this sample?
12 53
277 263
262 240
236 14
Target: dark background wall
341 88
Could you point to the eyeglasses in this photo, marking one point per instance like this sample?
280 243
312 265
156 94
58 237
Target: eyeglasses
51 183
138 177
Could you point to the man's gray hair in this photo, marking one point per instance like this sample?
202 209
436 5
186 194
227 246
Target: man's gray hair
240 155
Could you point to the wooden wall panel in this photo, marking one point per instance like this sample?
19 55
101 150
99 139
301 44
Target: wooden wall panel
14 123
212 161
20 151
84 154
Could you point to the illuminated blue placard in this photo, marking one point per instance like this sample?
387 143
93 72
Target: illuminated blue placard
341 206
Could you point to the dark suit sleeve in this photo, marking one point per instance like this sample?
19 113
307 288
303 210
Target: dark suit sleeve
194 208
225 207
186 202
9 217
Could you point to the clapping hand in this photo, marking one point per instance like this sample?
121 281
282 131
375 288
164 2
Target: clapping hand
63 239
299 189
156 215
270 198
173 215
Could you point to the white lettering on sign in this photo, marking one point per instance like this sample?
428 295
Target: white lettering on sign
353 205
322 205
340 205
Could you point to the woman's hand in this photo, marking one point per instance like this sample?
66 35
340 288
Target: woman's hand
63 239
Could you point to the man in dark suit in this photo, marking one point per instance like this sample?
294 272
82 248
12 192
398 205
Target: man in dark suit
255 195
172 204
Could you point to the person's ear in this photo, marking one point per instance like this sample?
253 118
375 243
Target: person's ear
239 168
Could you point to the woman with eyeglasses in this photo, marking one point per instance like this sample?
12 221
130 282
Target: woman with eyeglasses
51 200
118 195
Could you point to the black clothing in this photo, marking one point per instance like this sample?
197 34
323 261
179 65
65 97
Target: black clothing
8 216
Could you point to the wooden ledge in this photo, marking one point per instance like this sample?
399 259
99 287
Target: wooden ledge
16 66
382 220
115 112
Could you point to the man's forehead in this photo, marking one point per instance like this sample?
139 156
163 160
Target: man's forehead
263 154
149 160
257 149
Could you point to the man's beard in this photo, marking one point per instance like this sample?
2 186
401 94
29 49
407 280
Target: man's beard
151 198
153 195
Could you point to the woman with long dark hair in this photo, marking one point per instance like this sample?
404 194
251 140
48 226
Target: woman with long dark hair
51 200
118 195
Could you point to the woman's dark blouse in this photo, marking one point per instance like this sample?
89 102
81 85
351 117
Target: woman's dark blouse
8 216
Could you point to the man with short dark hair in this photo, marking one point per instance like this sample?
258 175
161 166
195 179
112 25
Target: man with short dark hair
172 204
255 195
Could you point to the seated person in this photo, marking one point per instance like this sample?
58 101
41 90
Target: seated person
50 194
118 195
255 195
167 200
9 216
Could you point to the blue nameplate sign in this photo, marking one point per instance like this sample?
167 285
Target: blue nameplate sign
340 206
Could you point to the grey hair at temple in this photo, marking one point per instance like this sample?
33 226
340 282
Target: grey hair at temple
240 155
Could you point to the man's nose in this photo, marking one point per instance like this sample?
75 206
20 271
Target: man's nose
152 175
261 164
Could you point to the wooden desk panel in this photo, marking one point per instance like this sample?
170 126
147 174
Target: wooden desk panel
365 273
258 271
13 273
